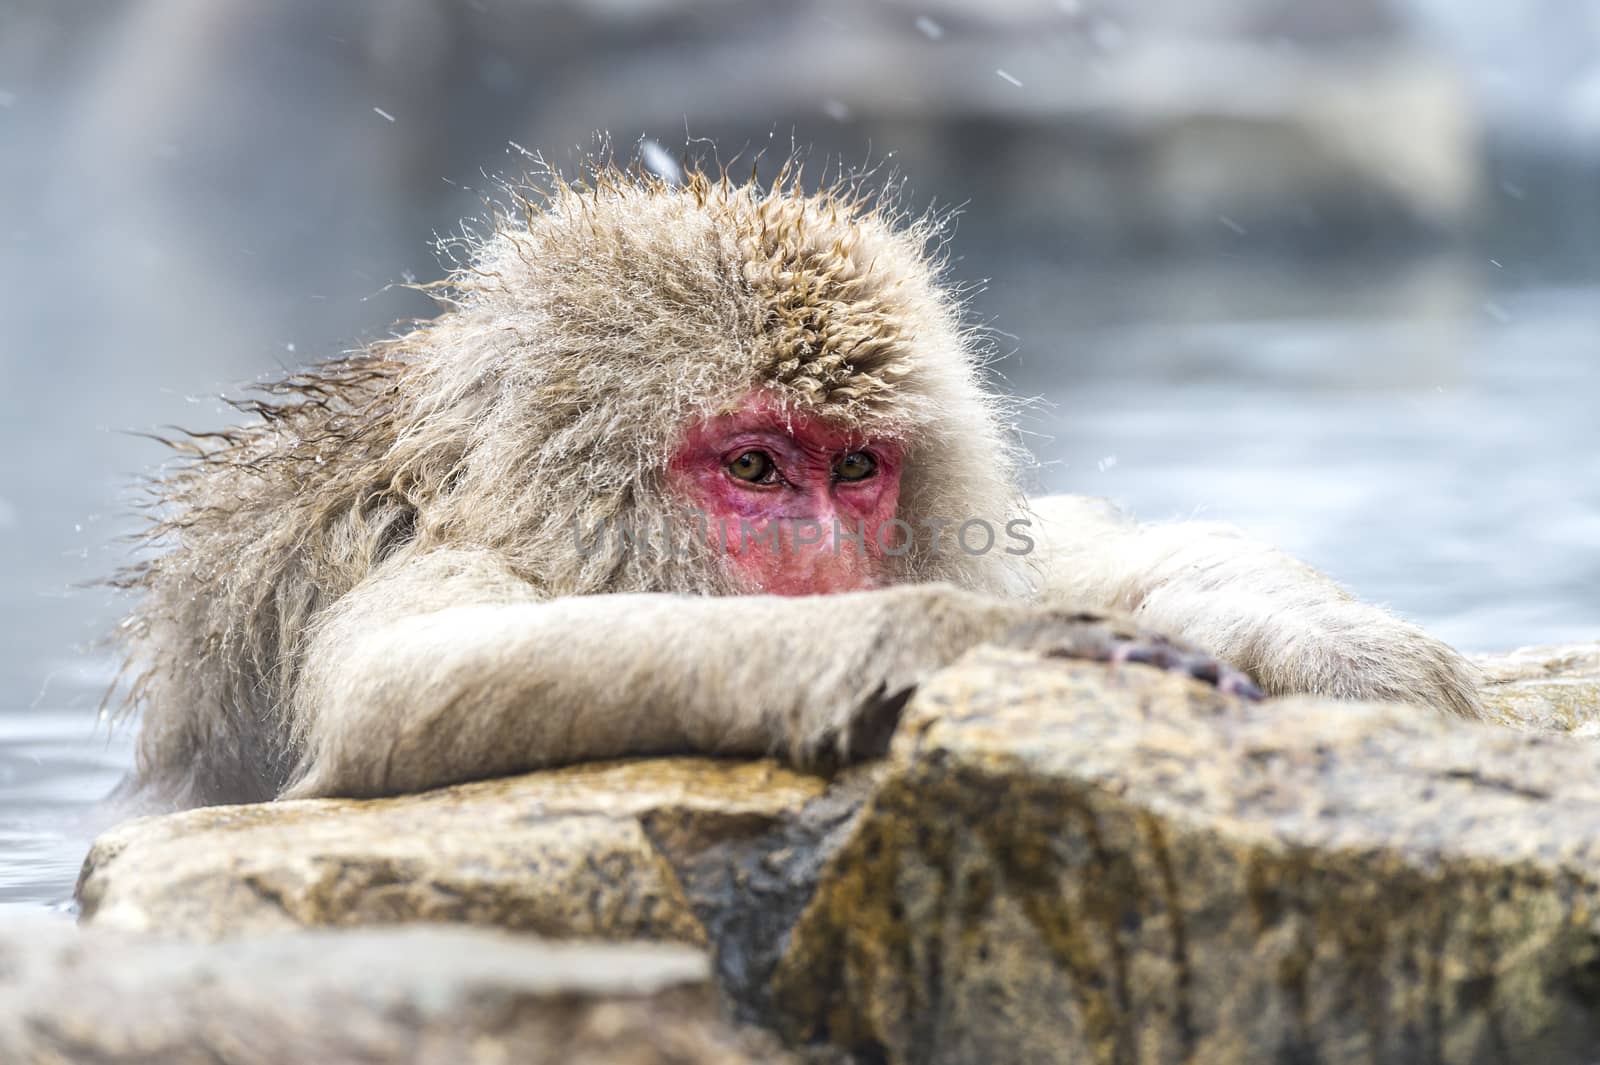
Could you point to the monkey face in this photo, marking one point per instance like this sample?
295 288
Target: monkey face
794 504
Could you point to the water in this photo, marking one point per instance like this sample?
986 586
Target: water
1426 435
51 771
1426 432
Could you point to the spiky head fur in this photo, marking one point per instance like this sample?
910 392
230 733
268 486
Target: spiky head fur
579 336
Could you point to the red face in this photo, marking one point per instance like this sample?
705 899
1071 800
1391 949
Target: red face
785 497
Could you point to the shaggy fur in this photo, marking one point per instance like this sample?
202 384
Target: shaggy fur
371 586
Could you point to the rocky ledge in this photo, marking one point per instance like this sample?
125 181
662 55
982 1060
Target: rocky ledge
1055 862
420 994
1550 689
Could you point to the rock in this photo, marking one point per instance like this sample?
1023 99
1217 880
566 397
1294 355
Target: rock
451 996
1057 867
566 853
1055 862
1552 688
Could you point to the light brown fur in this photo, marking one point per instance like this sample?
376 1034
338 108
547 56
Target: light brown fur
373 585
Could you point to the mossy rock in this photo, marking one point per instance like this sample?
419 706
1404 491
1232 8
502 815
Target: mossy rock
1057 861
566 853
1061 867
423 995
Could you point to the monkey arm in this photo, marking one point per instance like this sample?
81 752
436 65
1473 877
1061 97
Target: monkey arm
448 668
1276 618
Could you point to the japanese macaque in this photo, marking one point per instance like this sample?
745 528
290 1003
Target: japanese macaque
678 468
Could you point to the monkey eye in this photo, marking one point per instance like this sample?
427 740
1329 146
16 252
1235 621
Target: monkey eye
856 466
753 466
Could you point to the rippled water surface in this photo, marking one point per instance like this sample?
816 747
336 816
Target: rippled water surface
52 766
1427 434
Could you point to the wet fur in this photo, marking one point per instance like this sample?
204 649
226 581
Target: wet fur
314 570
578 334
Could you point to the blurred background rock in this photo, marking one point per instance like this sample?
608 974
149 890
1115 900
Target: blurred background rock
1324 270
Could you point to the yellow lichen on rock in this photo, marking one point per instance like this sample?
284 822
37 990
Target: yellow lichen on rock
1059 864
418 995
1555 688
1058 860
562 853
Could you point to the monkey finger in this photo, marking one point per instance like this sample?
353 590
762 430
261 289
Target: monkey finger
1159 652
1149 651
1233 682
1116 641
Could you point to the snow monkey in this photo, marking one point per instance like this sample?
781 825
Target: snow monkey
695 467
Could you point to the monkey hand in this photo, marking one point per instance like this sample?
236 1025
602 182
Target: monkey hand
1437 676
862 728
861 735
1353 650
1103 637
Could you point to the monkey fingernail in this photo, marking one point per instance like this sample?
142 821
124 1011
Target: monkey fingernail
1148 653
1233 682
